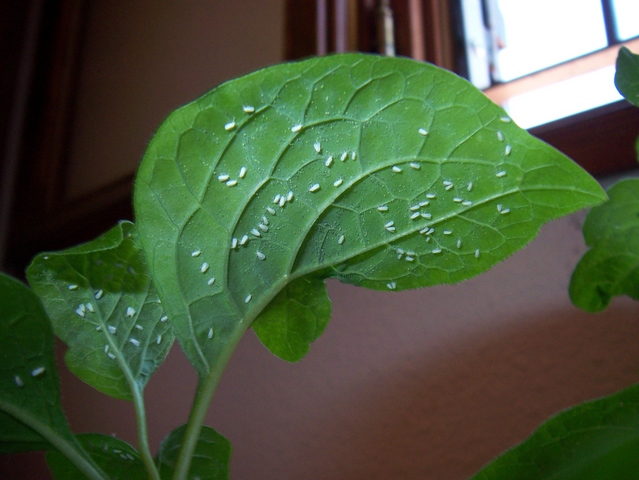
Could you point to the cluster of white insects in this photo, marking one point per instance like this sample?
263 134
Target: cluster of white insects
416 212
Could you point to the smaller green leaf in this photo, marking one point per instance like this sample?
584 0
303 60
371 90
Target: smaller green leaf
118 459
294 319
627 75
210 460
611 266
31 417
594 440
103 305
29 393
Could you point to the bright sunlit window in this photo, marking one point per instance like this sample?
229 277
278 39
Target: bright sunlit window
509 41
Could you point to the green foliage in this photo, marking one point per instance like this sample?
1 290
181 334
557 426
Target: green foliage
30 411
211 456
118 459
381 172
592 441
102 303
611 266
627 75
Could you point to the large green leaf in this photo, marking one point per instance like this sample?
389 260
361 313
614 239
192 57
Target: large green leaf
627 75
592 441
382 172
118 459
31 417
210 459
611 266
103 305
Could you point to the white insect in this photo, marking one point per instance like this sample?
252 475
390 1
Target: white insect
204 267
458 200
318 147
508 149
18 381
289 196
329 161
426 215
270 210
90 307
244 239
248 109
139 327
211 281
277 198
72 287
423 131
341 239
223 178
158 340
447 232
234 243
130 311
248 298
467 203
296 128
500 136
344 156
501 174
477 253
164 319
383 208
415 165
415 216
396 169
229 126
37 371
231 183
209 335
425 203
260 255
505 119
242 173
431 196
391 285
196 253
459 243
389 224
314 188
98 294
135 342
256 232
437 250
80 310
470 186
112 330
262 227
337 183
111 355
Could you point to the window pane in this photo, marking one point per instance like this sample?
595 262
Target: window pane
542 33
627 17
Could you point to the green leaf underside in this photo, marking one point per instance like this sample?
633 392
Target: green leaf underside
294 319
116 458
627 75
416 141
104 307
210 460
611 266
29 386
594 440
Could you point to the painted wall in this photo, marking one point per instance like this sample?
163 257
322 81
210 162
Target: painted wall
427 384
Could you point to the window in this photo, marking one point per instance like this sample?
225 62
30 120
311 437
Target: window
512 40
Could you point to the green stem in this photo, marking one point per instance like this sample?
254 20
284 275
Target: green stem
64 442
203 398
143 439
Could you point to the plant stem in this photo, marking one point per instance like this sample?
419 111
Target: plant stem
204 396
143 439
64 442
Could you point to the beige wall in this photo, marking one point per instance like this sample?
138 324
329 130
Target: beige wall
428 384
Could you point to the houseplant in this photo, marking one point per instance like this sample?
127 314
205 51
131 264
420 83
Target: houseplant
384 173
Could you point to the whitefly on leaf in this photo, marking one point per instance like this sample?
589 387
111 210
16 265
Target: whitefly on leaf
355 160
